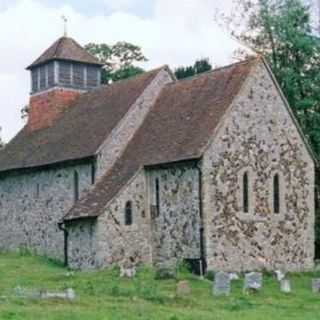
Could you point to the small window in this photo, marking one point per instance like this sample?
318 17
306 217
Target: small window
276 194
128 214
93 173
245 190
157 194
76 185
37 190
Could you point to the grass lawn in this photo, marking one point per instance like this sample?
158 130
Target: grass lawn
103 295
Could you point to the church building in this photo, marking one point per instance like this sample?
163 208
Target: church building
151 170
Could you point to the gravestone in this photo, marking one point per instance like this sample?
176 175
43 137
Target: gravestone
233 276
280 275
221 284
183 287
127 272
285 285
253 281
315 285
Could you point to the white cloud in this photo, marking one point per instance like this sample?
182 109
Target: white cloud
176 34
121 4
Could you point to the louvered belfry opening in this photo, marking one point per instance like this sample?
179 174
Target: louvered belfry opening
58 76
65 74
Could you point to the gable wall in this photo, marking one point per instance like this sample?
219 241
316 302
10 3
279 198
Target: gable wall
29 215
259 136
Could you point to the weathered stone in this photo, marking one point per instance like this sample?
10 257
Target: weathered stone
279 275
233 276
253 281
285 285
221 285
263 140
127 272
315 285
183 288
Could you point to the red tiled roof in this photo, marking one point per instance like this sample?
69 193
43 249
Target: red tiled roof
81 129
65 49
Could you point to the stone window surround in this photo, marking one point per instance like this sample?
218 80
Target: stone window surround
251 195
250 216
280 215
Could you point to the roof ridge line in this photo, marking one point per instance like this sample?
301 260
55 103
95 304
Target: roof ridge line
216 69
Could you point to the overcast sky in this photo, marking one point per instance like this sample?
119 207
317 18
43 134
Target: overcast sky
174 32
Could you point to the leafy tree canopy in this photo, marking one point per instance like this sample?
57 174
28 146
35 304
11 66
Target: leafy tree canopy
1 142
200 66
118 60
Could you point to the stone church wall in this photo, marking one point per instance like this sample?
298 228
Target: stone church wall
175 232
258 136
111 242
31 204
176 227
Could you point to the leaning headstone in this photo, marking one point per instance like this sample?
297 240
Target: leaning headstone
253 281
183 288
221 285
285 285
315 285
127 272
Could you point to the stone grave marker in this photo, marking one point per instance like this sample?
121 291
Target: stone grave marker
127 272
183 288
285 285
253 281
315 285
221 285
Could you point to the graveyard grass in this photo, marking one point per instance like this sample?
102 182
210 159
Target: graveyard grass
103 295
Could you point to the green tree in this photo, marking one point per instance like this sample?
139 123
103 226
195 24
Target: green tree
200 66
2 144
118 60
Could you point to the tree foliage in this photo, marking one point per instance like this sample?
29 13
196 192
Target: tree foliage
118 60
281 31
200 66
2 144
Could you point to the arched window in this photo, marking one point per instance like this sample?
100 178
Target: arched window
276 194
245 192
157 191
128 214
76 185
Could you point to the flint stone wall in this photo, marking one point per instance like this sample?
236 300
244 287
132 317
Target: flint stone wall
260 137
31 204
108 241
176 231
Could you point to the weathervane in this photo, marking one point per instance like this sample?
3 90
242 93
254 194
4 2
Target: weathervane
65 26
